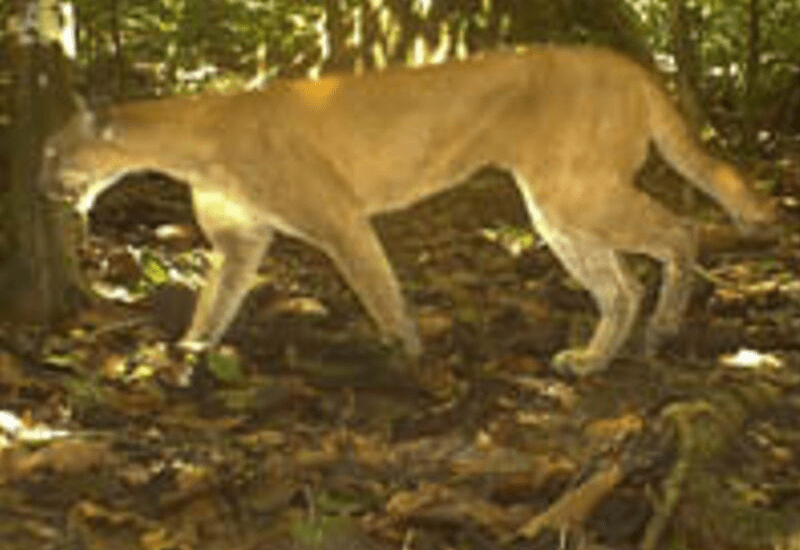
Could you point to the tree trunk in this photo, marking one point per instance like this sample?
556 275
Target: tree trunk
617 21
337 37
119 59
751 77
687 59
409 29
687 79
39 281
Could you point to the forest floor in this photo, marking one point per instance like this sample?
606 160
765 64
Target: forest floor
303 432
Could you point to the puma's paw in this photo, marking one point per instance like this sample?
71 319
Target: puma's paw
579 362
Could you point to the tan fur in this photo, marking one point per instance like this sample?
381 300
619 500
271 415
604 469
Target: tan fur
316 160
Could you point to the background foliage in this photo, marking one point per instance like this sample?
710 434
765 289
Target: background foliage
131 48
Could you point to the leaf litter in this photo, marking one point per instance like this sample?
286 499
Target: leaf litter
303 433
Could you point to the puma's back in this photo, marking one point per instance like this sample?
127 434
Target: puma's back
317 159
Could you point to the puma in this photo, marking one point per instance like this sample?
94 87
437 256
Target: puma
316 159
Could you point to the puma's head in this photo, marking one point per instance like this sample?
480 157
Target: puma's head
85 154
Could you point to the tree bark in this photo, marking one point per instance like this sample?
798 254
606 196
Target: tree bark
337 37
687 59
39 283
119 59
616 20
409 29
751 77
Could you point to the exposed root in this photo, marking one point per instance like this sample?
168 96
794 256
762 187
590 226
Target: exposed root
572 509
704 430
682 415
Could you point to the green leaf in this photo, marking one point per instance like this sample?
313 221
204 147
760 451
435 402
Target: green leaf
155 271
225 365
313 534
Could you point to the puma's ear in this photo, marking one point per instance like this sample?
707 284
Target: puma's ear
78 127
93 120
83 125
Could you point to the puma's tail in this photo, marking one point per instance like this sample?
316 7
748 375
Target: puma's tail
677 144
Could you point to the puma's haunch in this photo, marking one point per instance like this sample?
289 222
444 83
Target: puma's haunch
317 159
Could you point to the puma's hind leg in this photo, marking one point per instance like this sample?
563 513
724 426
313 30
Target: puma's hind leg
617 295
673 299
597 266
672 241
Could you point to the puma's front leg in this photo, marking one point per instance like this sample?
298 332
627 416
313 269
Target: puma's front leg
354 247
238 244
234 264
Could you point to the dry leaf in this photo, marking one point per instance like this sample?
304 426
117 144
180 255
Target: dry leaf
67 456
616 429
